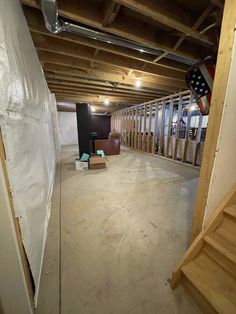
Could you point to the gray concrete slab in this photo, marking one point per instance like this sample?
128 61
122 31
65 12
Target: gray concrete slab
123 229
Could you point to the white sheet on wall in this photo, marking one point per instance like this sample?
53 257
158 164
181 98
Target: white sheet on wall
68 128
29 129
223 175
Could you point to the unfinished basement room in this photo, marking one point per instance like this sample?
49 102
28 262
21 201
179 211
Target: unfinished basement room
117 156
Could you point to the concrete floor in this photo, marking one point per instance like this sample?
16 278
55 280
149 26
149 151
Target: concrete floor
122 230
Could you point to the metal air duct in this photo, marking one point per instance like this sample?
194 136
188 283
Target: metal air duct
56 25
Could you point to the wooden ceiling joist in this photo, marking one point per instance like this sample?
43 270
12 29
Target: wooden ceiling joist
42 42
88 13
78 68
106 85
111 89
56 58
95 99
110 11
37 25
167 13
57 67
63 88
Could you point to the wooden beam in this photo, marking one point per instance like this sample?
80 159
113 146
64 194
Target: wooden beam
88 13
59 83
110 11
215 115
106 85
77 90
71 49
65 109
167 13
195 26
36 24
218 3
64 66
96 97
103 72
85 69
87 97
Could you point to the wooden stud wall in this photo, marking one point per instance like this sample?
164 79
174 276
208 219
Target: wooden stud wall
150 128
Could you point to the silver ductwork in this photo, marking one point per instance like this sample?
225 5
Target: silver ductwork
50 13
56 25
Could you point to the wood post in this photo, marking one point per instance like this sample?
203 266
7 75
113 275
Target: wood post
171 109
154 138
126 127
198 138
136 128
162 129
186 142
179 113
149 141
215 116
144 129
140 128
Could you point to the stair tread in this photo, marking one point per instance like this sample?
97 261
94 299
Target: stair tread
231 211
216 285
224 232
222 245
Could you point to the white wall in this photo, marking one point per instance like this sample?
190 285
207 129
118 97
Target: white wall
68 128
14 296
224 170
27 120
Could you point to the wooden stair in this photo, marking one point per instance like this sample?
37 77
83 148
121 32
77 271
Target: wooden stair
208 268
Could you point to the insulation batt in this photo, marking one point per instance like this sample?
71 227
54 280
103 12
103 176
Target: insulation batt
28 121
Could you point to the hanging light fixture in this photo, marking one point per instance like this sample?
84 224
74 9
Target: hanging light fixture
138 83
106 101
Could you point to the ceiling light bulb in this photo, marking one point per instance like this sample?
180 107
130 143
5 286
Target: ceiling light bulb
92 108
106 102
138 83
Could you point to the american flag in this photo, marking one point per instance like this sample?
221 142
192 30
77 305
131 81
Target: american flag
200 81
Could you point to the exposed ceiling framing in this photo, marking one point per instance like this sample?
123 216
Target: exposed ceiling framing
78 68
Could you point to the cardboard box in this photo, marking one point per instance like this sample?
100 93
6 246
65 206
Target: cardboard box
81 165
97 162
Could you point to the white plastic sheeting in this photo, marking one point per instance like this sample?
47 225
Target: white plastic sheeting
68 128
28 121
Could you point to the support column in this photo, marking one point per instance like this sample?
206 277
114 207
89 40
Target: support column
83 127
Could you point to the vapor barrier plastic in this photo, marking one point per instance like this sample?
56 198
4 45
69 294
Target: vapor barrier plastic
28 121
68 134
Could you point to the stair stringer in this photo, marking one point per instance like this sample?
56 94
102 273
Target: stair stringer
211 225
